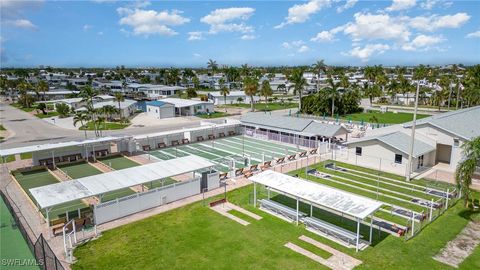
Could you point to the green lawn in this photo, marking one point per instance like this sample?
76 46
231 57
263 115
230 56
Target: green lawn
13 245
9 158
105 126
383 118
79 170
25 156
118 162
49 114
268 107
195 237
213 115
19 106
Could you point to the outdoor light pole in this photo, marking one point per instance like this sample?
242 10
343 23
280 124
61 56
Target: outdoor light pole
409 165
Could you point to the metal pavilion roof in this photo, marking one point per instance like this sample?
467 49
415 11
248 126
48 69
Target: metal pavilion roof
55 194
318 194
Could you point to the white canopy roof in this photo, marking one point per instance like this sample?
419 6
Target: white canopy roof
52 146
332 198
55 194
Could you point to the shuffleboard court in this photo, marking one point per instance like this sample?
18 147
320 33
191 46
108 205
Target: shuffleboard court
118 162
79 170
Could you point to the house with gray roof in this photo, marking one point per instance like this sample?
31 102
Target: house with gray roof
450 131
391 151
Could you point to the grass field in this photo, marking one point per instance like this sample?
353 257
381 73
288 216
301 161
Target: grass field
383 118
79 170
13 245
118 162
104 126
195 237
221 151
213 115
38 178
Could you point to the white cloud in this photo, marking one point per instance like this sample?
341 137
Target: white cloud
229 20
100 33
324 36
22 23
349 4
475 34
379 26
303 49
422 42
87 27
248 37
428 4
196 35
367 51
286 45
435 22
300 13
149 22
401 5
197 55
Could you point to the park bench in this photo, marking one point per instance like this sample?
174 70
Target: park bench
223 176
146 148
238 172
332 230
266 165
247 173
254 167
162 145
174 143
231 133
217 202
313 151
200 138
185 141
303 154
281 160
291 157
281 209
211 136
221 134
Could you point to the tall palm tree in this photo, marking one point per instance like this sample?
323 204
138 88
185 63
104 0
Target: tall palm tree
332 92
42 86
319 67
298 84
467 167
212 65
250 87
119 98
23 88
445 84
224 91
81 117
266 91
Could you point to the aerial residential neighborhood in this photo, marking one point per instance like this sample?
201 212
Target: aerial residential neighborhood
309 134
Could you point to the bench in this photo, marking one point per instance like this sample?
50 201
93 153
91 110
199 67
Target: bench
291 157
238 172
254 167
217 202
174 142
58 228
303 154
200 139
211 136
146 148
266 165
280 209
221 134
313 151
247 173
332 230
223 176
185 141
162 145
231 133
281 160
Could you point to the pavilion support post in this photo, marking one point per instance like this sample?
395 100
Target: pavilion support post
431 210
268 193
53 159
93 153
371 228
297 210
311 210
413 223
358 234
47 219
254 194
446 202
263 157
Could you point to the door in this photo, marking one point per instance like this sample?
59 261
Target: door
420 162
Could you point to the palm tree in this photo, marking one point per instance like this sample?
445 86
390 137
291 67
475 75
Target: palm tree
224 91
266 91
81 117
282 87
23 88
445 84
119 98
250 87
212 65
109 110
467 167
298 84
42 86
319 67
332 92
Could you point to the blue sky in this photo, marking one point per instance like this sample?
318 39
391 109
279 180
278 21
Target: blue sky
187 33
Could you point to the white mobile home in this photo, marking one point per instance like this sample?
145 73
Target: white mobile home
159 109
188 107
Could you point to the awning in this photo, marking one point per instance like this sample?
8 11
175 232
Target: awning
318 194
55 194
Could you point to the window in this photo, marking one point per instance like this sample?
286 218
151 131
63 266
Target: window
358 151
456 142
398 158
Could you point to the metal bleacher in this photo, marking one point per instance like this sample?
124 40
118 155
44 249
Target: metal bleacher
315 224
282 210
